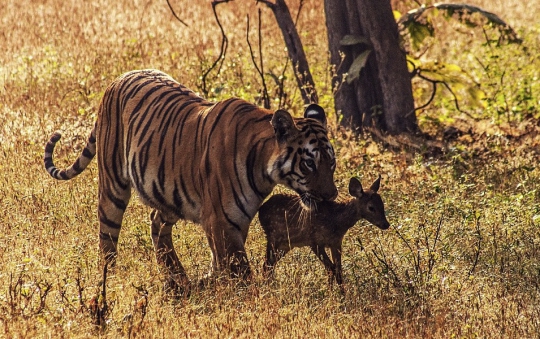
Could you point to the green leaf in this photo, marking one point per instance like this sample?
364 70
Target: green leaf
477 96
418 32
462 84
357 65
350 40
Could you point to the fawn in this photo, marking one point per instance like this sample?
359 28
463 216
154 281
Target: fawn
288 224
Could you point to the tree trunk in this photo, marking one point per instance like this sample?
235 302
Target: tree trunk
344 93
380 27
381 97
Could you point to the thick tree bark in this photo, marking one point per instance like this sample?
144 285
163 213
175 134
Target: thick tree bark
337 26
367 88
382 96
380 27
295 50
359 101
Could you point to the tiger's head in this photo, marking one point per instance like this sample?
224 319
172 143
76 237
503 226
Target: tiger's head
306 160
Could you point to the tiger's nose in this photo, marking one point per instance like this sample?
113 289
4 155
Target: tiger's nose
331 195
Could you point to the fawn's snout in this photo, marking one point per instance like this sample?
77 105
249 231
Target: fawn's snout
384 225
373 211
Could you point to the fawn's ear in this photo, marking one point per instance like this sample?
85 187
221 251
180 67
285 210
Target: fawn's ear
355 188
284 126
376 185
316 112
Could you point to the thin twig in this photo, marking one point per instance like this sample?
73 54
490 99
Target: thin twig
265 89
80 289
266 97
251 50
282 83
176 16
478 247
299 10
453 94
44 289
390 269
415 263
437 233
223 48
434 83
431 250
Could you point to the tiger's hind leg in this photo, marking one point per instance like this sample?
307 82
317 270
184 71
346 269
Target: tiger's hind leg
162 224
111 207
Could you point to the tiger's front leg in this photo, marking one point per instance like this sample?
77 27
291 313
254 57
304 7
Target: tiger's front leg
227 244
178 281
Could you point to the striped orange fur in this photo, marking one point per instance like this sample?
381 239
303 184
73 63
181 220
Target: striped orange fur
188 158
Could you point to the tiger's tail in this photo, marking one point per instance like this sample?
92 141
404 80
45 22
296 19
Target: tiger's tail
78 166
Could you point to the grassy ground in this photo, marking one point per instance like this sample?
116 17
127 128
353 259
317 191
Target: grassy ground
460 260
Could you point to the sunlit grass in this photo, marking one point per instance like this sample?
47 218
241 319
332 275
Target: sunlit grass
461 258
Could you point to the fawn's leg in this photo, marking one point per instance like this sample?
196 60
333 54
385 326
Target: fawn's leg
328 264
336 257
166 256
272 257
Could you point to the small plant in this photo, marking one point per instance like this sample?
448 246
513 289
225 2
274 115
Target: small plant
26 298
418 25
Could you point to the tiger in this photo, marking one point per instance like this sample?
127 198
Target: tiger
212 163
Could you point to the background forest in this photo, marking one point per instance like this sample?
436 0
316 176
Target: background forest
462 255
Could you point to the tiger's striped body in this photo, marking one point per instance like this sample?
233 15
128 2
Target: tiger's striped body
187 158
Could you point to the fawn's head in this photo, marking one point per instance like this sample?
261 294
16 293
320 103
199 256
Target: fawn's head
368 203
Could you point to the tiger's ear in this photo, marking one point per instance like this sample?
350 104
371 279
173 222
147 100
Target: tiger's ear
316 112
284 126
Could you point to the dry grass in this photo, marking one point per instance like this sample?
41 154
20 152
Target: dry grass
461 258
